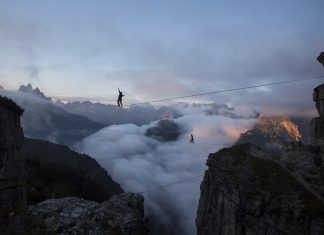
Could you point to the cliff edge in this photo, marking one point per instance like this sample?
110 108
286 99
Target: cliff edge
245 191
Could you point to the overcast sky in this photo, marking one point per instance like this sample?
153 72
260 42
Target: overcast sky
161 49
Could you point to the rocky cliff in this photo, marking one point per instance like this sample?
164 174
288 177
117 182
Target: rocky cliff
317 132
12 175
246 191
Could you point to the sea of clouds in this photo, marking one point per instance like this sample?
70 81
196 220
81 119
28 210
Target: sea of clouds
143 164
140 163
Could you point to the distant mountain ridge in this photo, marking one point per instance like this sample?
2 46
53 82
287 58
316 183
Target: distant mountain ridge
29 89
44 120
145 113
108 114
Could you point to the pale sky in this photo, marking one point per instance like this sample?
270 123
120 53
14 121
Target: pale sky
160 49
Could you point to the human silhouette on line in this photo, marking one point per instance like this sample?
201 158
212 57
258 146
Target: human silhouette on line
120 99
191 139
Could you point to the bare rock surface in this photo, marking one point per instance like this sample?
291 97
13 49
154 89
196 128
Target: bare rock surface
122 214
246 191
317 132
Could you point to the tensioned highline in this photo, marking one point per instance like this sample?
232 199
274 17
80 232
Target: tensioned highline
233 89
170 184
208 93
200 94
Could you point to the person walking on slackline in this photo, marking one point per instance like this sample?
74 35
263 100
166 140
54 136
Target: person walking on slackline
120 99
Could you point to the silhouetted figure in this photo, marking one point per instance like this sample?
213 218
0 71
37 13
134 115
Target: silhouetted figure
192 139
320 58
120 99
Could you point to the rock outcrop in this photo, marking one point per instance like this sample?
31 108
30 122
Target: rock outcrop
246 191
122 214
12 175
165 130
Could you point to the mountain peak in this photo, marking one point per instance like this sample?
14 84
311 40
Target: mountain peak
272 131
37 92
279 124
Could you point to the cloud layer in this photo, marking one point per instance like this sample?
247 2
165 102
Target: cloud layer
140 163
